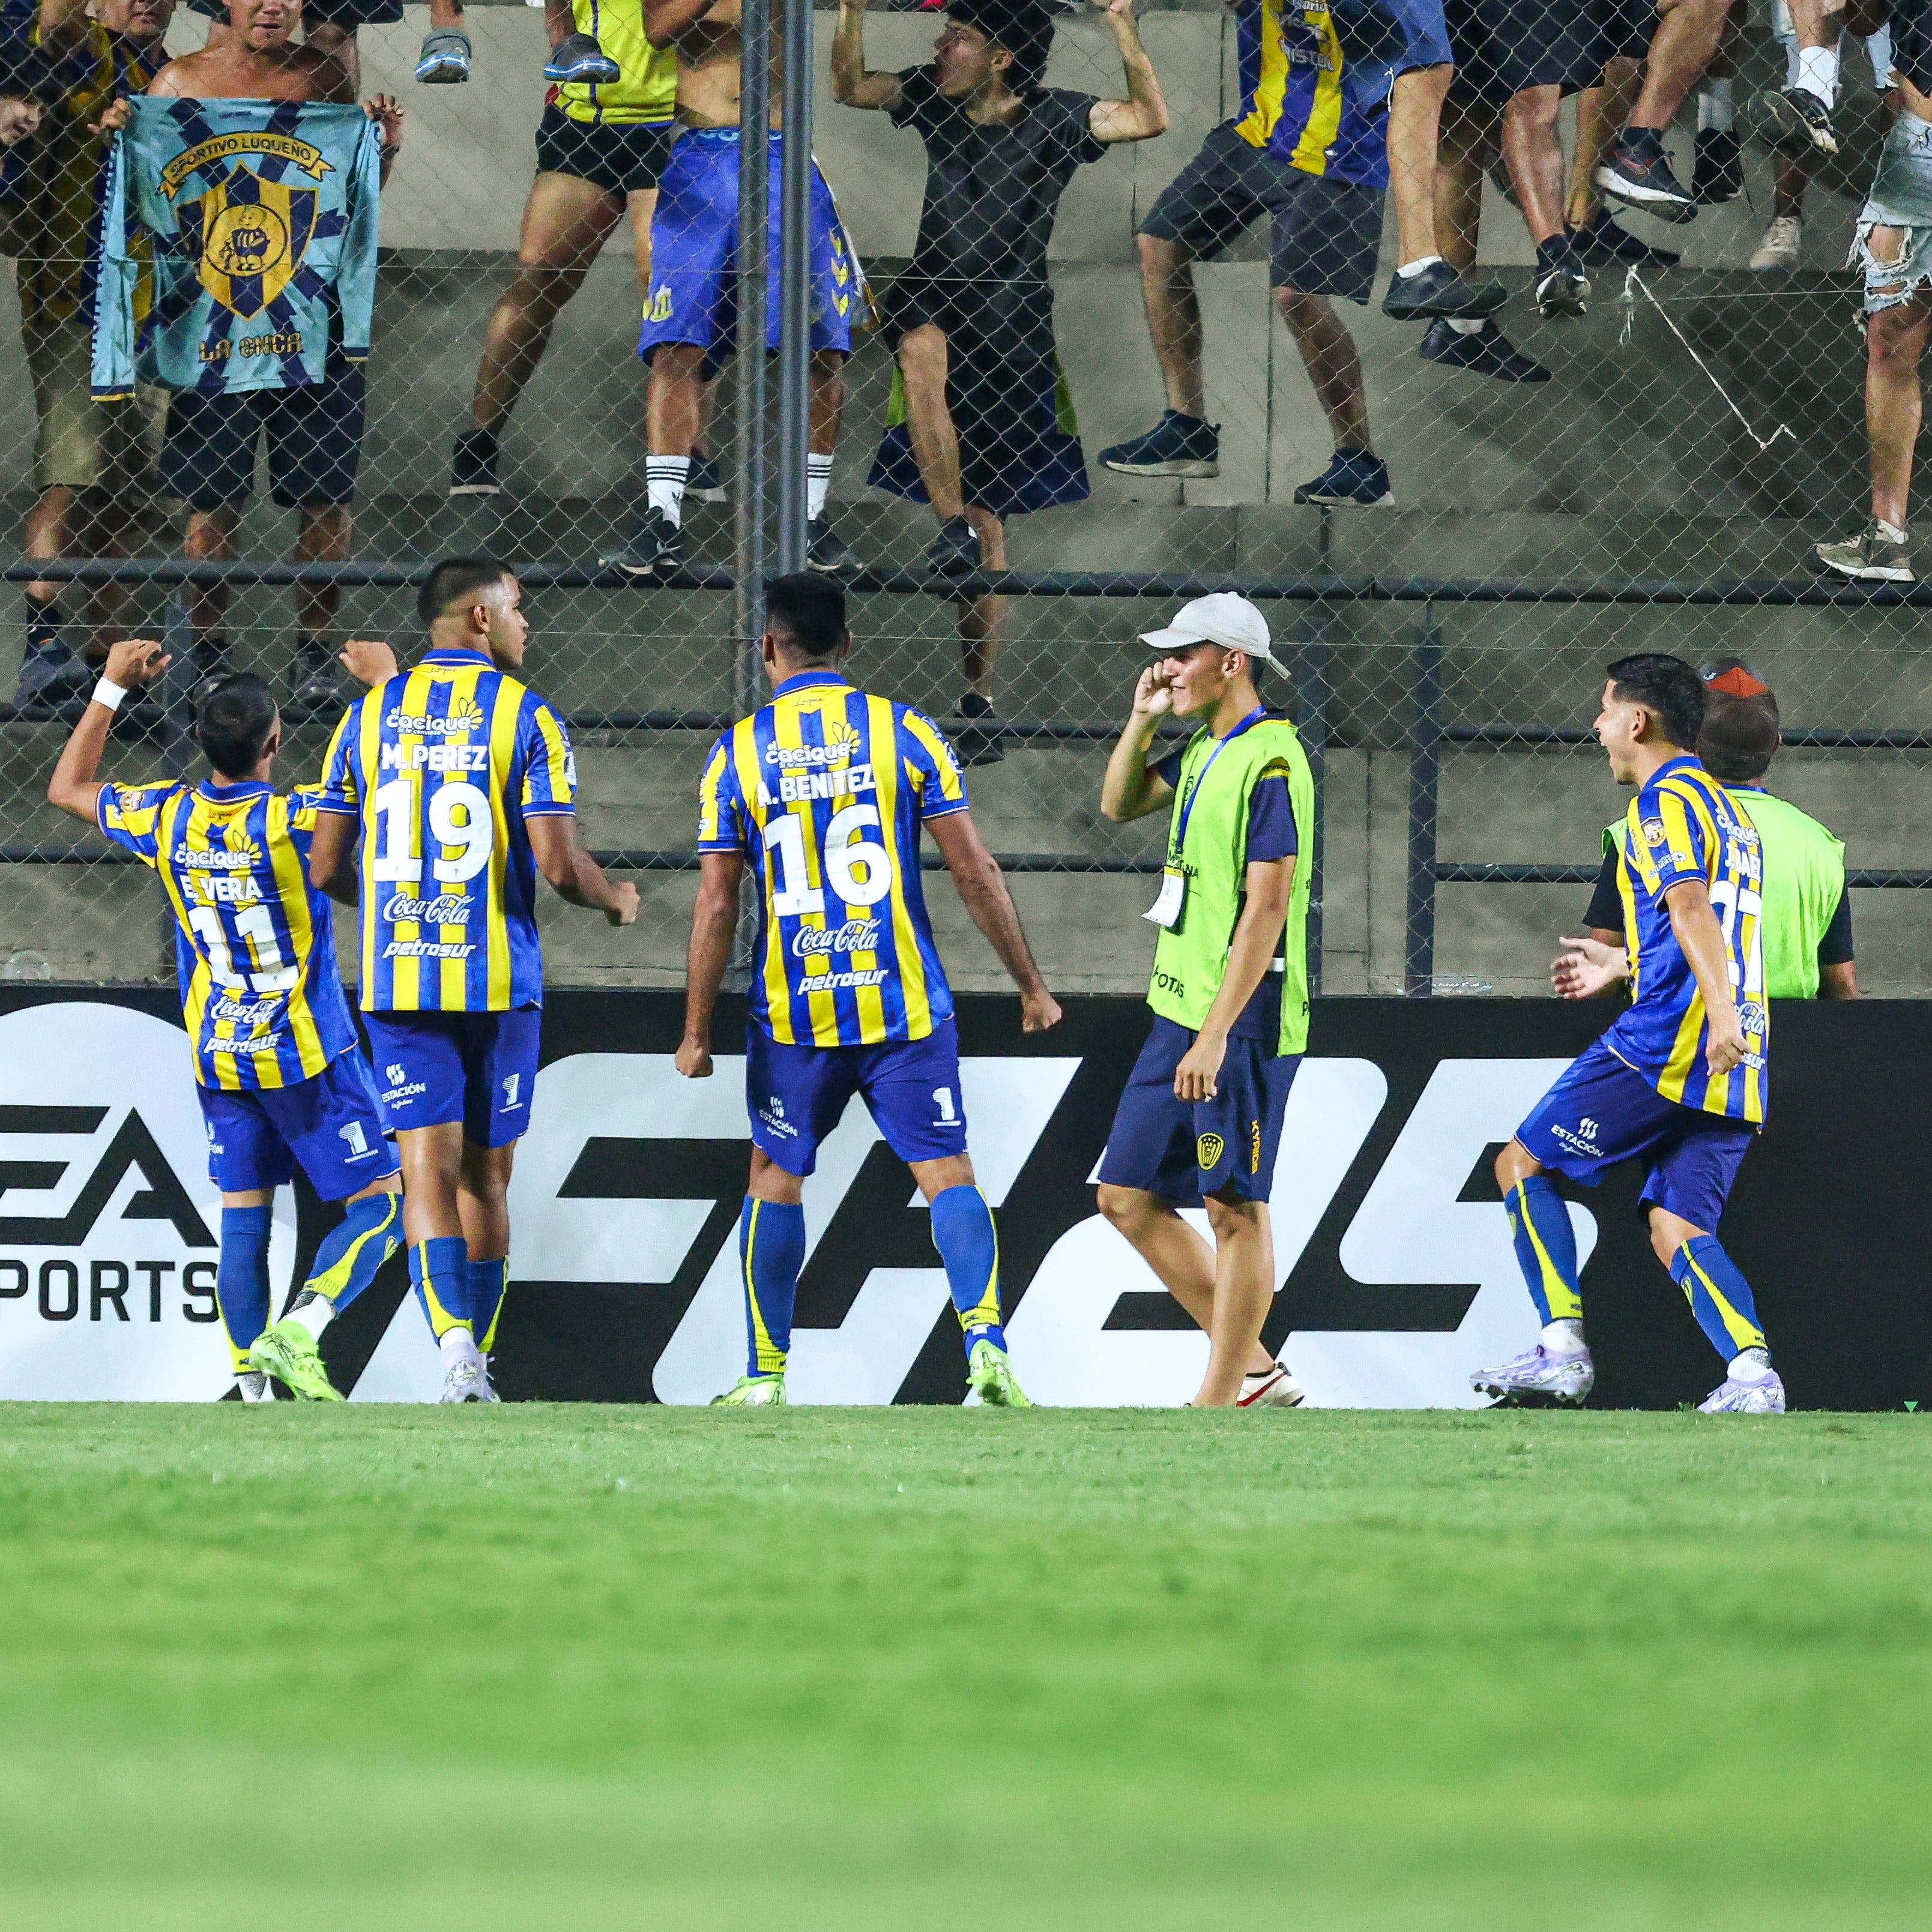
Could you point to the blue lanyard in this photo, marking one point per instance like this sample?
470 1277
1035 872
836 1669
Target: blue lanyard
1254 717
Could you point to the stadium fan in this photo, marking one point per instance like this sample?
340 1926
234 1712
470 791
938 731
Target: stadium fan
1678 1080
94 461
1602 108
690 324
1805 922
848 994
1199 1124
280 1078
601 146
1893 247
979 423
330 27
1335 102
256 337
446 790
1813 40
1635 169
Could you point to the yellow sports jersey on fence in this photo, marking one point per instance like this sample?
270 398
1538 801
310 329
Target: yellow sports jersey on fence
443 765
824 791
648 91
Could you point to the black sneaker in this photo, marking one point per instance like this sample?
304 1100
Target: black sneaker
1795 121
704 483
1353 476
50 673
1177 446
1637 171
472 464
317 685
1489 353
1438 290
1601 243
579 58
826 551
1718 174
1561 287
954 551
976 738
654 548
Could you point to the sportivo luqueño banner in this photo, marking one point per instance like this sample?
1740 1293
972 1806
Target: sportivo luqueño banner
1392 1250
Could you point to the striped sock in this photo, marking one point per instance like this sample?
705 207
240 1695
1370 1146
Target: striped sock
771 1253
664 479
1719 1295
969 1244
1546 1248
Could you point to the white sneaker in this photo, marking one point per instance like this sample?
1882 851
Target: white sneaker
469 1381
1565 1378
1782 246
1765 1396
1276 1388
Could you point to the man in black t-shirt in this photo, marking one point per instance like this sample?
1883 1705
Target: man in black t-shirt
980 426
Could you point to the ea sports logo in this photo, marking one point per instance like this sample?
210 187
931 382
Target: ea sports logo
1208 1151
109 1224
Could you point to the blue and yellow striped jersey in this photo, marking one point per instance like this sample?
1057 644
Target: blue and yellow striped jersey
1684 825
442 765
254 944
1302 99
824 791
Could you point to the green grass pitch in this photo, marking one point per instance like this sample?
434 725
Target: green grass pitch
594 1668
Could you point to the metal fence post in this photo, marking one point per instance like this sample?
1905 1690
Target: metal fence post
750 471
795 285
1425 761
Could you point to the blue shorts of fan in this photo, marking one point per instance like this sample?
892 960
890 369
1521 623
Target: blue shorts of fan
693 296
1600 1113
477 1068
796 1095
1185 1151
329 1126
314 436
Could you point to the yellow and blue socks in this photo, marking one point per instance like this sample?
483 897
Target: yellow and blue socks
969 1245
370 1231
1546 1251
771 1255
242 1280
1721 1300
438 1270
485 1284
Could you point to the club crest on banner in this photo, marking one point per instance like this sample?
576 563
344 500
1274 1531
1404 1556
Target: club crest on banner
254 234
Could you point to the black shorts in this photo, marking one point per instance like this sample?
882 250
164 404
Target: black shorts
620 156
1628 26
1326 233
1504 46
315 444
335 12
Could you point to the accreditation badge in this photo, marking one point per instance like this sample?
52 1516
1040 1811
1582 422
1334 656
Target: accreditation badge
1166 910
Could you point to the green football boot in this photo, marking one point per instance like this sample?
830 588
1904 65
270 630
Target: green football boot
287 1351
753 1392
989 1371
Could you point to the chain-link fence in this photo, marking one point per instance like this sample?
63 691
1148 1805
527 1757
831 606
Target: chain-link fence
1653 472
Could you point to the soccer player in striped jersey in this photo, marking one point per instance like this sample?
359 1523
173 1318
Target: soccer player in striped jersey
447 788
281 1079
824 793
1678 1080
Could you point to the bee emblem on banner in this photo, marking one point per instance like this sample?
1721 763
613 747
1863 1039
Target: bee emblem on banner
254 235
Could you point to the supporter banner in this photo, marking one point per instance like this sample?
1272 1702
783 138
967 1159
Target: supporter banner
1396 1274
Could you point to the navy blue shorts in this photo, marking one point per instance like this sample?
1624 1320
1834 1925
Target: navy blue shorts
796 1095
694 295
620 156
1185 1151
315 444
477 1068
1600 1113
329 1125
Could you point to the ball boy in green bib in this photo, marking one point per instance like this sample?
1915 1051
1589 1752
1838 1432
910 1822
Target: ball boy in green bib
1200 1120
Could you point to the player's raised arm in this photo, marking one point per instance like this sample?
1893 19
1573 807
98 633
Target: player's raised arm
131 664
1130 789
1143 114
983 887
853 84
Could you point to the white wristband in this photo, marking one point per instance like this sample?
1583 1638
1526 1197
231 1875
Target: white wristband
109 693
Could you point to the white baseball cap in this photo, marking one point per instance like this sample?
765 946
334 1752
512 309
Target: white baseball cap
1222 618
